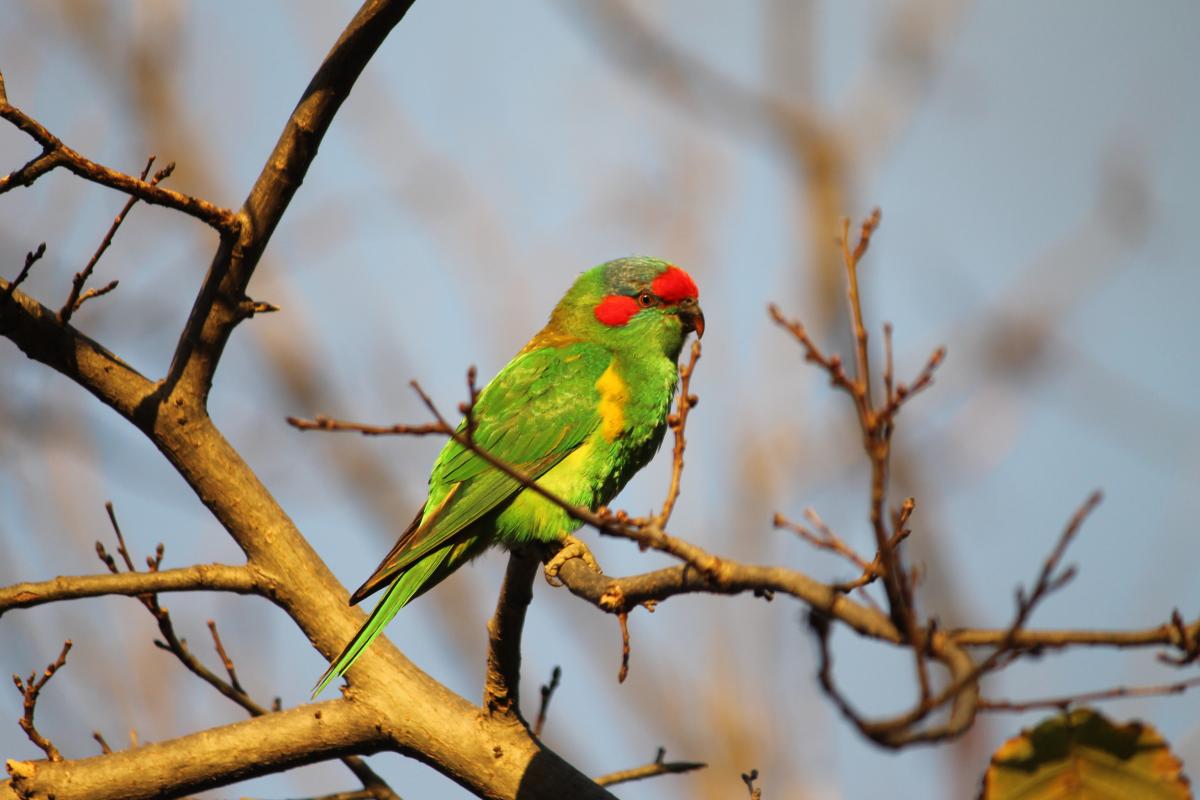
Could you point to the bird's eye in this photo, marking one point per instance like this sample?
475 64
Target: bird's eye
645 299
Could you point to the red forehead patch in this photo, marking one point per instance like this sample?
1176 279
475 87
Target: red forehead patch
674 285
615 310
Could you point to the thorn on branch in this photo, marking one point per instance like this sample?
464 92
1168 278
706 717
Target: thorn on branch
248 307
99 737
30 689
547 691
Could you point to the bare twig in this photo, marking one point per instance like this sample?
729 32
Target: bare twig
966 680
547 692
850 260
659 766
31 258
322 423
231 688
623 621
30 689
1119 692
905 392
56 154
824 538
122 550
889 365
677 423
1048 581
831 364
225 659
199 577
75 299
89 294
749 778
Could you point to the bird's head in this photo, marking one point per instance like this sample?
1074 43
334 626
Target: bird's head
632 304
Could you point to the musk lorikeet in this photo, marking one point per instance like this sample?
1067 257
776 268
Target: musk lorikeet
581 408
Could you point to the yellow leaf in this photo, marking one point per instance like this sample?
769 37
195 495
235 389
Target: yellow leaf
1083 756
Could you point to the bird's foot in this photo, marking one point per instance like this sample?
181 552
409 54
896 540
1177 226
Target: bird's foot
571 548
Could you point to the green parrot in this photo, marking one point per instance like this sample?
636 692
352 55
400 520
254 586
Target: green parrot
580 409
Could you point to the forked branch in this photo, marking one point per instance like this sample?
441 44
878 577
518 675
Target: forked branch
30 689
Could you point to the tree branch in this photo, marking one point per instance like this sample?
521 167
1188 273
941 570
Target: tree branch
74 299
730 577
501 689
222 303
216 757
418 715
56 154
657 767
30 689
37 331
197 578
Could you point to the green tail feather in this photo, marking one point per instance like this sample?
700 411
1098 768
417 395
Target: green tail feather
397 596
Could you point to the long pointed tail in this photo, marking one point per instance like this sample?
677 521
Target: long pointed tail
397 596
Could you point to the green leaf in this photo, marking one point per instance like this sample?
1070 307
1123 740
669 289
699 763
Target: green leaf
1084 756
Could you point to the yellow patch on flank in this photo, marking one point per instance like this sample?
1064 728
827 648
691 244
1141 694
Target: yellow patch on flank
614 394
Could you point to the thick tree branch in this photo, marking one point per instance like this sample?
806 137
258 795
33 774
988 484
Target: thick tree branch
501 689
222 303
418 716
258 746
37 331
197 578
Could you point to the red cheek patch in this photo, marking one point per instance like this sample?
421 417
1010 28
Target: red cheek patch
674 285
615 310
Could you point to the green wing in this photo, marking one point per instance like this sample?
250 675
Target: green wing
540 408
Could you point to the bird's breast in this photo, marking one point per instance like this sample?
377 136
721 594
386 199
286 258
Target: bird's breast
614 397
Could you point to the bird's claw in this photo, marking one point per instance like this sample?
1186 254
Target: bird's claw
571 548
